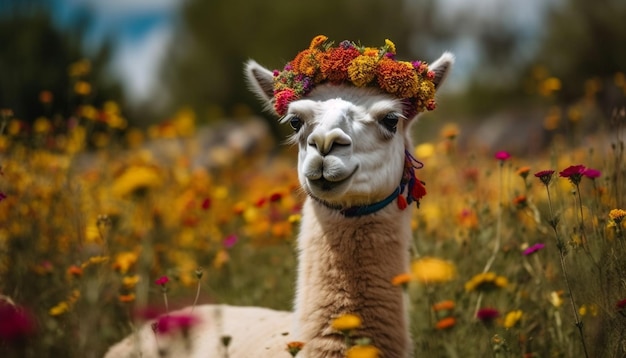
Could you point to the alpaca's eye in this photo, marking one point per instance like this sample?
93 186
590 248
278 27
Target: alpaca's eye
390 122
295 123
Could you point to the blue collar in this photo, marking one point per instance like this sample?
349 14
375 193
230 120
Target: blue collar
356 211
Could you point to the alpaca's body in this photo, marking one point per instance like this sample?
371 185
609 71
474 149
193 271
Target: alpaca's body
254 332
347 268
354 157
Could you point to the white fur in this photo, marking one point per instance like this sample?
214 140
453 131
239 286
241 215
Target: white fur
346 157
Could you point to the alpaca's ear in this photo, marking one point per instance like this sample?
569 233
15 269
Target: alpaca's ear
261 81
442 67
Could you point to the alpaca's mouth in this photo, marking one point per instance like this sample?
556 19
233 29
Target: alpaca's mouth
325 185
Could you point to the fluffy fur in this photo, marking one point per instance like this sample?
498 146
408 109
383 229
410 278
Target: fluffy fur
347 156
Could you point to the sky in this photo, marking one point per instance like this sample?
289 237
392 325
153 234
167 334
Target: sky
142 30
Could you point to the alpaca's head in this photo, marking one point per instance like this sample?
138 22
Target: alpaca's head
351 140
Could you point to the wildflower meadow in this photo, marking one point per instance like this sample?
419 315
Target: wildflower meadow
106 226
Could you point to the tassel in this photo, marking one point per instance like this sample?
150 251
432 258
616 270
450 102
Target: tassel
418 190
402 204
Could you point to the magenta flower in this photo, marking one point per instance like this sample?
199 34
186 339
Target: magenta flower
534 248
15 323
2 196
502 155
487 315
174 323
592 173
545 176
574 173
161 281
230 241
621 304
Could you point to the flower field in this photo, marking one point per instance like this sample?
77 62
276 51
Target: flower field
513 256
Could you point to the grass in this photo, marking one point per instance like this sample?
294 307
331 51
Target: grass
515 267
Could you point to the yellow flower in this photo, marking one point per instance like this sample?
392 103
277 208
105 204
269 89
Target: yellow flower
346 322
59 309
130 281
391 47
362 70
512 318
617 215
124 260
363 351
429 270
486 281
82 88
555 298
135 179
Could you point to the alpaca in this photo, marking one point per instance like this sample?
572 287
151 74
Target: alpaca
352 129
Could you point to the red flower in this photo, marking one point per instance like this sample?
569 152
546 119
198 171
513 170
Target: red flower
545 176
621 304
487 314
502 155
206 203
275 197
162 280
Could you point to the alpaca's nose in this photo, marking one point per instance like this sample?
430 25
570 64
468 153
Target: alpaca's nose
327 141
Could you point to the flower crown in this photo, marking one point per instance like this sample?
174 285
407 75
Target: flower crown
359 66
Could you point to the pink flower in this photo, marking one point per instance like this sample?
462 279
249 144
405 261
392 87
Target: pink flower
502 155
487 315
592 173
230 241
534 248
161 281
174 323
15 323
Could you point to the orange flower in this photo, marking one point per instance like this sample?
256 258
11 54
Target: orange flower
75 271
401 279
336 63
445 323
398 78
447 305
127 298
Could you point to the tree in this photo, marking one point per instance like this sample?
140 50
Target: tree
35 61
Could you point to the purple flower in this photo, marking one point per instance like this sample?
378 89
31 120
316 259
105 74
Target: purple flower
230 241
161 281
592 173
534 248
502 155
487 315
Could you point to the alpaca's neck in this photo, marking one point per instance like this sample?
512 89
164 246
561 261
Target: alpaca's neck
346 266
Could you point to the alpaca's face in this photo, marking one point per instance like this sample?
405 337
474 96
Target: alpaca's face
351 144
351 139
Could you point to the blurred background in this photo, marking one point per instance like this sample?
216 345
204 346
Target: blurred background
531 67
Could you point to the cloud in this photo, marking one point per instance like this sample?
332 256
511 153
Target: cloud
138 62
116 7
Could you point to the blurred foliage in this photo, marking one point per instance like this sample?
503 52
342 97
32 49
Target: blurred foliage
36 57
585 40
